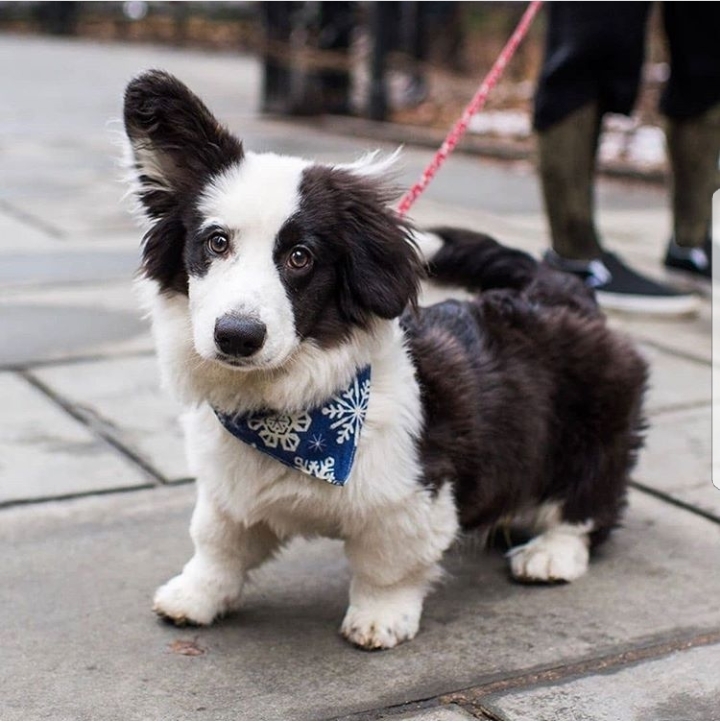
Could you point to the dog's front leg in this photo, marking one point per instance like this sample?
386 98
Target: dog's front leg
394 564
211 582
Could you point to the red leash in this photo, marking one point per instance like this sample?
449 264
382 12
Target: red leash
475 105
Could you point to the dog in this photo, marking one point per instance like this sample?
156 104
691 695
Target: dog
282 294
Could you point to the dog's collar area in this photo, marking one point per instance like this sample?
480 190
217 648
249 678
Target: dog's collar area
319 442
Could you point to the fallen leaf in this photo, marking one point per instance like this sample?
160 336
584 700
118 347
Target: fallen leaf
186 647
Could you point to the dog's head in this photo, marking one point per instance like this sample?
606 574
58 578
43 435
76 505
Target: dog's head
271 251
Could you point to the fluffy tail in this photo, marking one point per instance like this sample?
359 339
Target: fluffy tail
476 262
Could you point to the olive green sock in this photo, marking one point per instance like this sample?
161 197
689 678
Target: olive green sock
566 161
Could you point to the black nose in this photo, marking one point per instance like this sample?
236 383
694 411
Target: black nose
239 335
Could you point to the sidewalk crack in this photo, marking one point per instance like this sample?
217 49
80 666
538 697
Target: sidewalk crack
31 220
98 425
675 501
474 699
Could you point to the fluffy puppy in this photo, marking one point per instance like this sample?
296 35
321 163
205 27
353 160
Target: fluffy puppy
277 285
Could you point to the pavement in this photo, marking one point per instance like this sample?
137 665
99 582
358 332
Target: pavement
95 497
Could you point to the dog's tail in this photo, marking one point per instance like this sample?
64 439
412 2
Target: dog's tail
474 261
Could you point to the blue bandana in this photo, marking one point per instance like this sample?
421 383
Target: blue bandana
320 442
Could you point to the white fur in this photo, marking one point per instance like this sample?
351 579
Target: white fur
559 554
247 282
373 164
428 243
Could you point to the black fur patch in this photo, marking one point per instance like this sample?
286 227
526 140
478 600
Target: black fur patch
529 396
365 264
178 146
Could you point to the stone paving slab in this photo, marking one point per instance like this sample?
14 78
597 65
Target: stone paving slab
36 332
683 686
119 295
677 458
63 266
46 453
126 394
82 572
675 381
17 236
227 79
88 211
46 323
24 239
691 336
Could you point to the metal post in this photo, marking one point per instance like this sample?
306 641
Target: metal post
377 106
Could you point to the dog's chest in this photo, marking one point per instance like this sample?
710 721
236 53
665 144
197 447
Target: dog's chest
290 502
253 487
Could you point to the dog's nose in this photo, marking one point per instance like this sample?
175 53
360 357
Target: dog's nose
239 335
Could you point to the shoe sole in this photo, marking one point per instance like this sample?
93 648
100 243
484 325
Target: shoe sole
686 281
649 305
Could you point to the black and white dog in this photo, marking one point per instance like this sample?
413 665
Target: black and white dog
283 301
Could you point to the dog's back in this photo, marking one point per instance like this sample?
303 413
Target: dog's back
530 398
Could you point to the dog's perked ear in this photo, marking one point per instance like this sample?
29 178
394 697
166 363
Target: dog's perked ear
176 145
176 142
379 268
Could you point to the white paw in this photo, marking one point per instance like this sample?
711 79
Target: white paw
187 600
551 557
380 627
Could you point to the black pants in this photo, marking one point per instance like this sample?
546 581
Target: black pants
594 52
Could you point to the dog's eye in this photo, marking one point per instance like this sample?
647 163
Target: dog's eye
218 244
299 258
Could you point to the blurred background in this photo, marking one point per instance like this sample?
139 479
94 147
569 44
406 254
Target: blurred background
318 58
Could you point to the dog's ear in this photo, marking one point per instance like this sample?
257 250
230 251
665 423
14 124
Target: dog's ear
176 146
378 262
382 270
176 142
381 267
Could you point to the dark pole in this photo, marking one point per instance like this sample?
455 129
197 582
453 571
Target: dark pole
277 20
377 107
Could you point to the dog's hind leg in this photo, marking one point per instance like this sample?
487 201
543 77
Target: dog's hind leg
211 583
560 553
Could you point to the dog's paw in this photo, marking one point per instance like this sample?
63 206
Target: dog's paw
376 627
551 557
184 601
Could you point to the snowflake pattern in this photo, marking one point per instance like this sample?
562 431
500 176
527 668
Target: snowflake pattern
320 442
281 430
320 468
317 442
347 410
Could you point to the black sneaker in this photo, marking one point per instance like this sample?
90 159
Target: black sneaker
619 288
692 264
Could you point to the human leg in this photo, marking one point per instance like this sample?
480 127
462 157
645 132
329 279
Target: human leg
592 65
692 103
